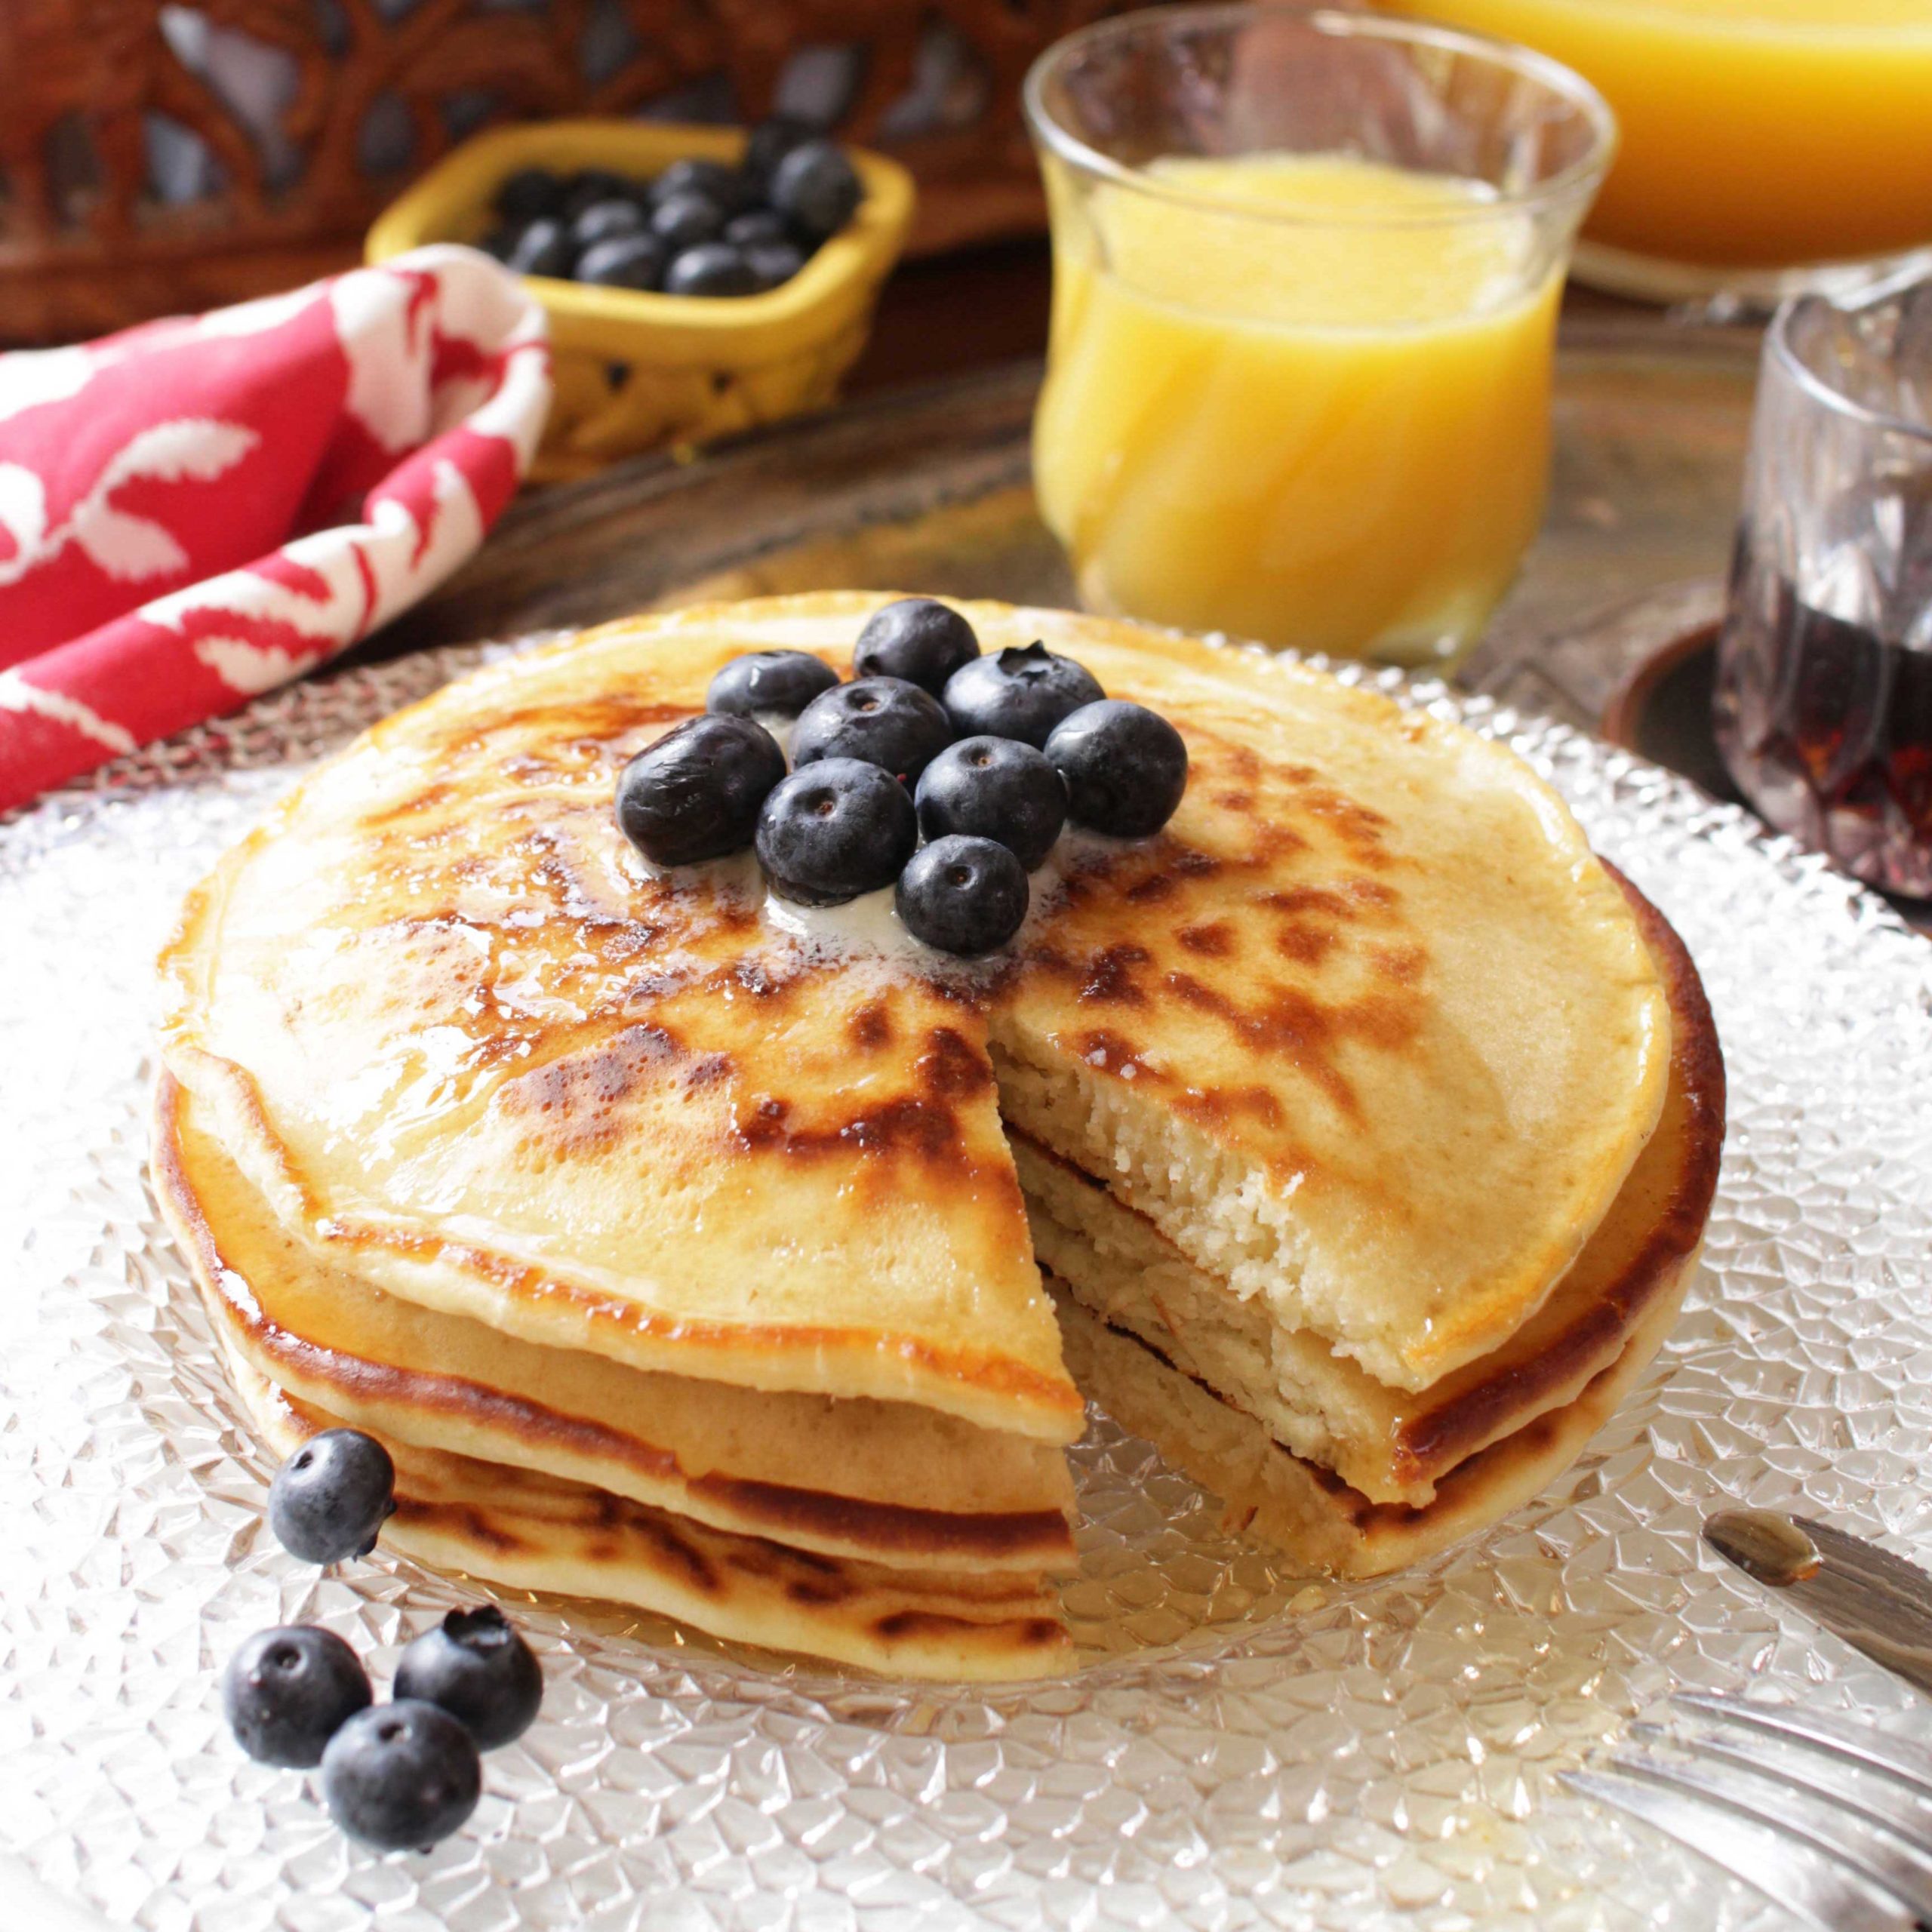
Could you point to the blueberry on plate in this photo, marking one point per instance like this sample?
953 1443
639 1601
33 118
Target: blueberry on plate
837 829
769 684
603 221
715 180
997 789
475 1666
771 140
1020 692
625 261
712 268
542 248
816 188
773 264
287 1691
962 895
695 794
918 638
330 1498
755 226
528 194
1125 767
884 721
401 1776
683 221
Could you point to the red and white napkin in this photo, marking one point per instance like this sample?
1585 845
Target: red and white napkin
196 510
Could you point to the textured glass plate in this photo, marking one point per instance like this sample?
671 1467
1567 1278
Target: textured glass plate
1234 1750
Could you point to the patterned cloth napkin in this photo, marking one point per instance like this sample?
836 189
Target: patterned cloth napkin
196 510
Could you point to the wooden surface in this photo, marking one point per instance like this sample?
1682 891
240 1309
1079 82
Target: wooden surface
927 488
156 159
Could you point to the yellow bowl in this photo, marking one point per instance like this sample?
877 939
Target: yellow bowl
637 371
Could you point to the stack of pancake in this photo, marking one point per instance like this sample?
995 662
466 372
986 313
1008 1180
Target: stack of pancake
1352 1139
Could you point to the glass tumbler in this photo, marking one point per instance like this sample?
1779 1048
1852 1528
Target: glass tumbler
1823 703
1306 266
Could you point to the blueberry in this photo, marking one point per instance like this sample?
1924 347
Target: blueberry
755 226
917 638
588 186
816 188
712 268
475 1665
962 895
771 140
773 264
529 193
1018 693
695 794
401 1776
682 221
769 684
837 829
603 221
718 182
287 1691
625 261
542 248
884 721
1125 767
994 788
330 1498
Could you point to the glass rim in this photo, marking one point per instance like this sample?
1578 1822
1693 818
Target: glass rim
1580 177
1777 339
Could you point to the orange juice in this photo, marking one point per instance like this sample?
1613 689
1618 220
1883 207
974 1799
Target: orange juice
1755 133
1327 429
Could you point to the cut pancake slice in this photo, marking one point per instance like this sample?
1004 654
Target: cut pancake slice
534 1532
1348 1476
1393 1444
1325 1527
872 1480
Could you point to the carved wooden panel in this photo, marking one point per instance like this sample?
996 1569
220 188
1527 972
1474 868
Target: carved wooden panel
157 156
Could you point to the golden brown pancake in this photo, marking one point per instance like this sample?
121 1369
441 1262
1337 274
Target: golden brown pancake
534 1533
1364 1063
883 1481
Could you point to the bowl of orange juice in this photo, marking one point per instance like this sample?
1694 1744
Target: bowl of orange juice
1306 268
1769 146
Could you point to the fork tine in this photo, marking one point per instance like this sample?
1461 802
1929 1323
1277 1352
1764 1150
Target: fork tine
1806 1886
1902 1871
1882 1801
1910 1763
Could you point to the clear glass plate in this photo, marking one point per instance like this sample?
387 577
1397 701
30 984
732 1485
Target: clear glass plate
1235 1750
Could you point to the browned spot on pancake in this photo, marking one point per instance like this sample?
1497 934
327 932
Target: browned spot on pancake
1403 964
1215 1104
1021 1633
952 1067
579 1094
1214 940
1111 1054
926 1130
1234 801
1151 890
707 1071
549 737
870 1026
1306 945
1108 978
462 1519
409 806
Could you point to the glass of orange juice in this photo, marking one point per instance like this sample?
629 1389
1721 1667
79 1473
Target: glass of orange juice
1306 273
1769 146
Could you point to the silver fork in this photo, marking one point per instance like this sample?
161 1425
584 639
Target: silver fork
1829 1819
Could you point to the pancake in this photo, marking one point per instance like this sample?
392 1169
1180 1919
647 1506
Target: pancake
1364 1124
1366 1030
534 1533
884 1481
1392 1444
